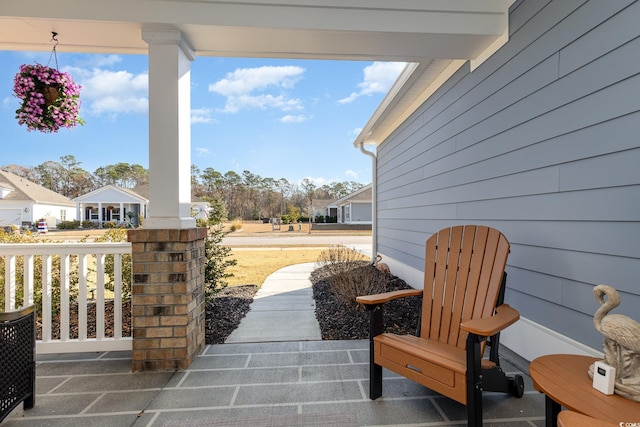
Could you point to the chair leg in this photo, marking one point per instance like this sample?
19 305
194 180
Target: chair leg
375 371
474 382
495 379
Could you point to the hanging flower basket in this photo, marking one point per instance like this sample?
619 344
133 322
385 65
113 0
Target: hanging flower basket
50 99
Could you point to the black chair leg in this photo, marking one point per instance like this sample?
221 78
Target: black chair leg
375 371
474 382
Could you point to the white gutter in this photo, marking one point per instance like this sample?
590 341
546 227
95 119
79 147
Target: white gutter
374 207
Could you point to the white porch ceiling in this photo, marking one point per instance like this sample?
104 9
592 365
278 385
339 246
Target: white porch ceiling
430 33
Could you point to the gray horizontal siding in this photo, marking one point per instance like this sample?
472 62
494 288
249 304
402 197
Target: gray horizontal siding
541 141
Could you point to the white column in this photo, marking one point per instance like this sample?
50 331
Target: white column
169 130
100 213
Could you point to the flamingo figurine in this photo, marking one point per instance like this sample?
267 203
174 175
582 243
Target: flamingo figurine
621 343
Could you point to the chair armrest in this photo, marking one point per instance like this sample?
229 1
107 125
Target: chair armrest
388 296
489 326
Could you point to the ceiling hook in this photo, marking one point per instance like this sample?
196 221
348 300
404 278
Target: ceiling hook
53 36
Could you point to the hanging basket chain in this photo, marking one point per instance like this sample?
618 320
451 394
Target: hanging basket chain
54 52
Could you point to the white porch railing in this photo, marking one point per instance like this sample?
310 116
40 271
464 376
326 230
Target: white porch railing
86 253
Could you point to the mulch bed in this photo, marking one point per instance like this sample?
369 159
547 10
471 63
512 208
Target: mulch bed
338 321
341 321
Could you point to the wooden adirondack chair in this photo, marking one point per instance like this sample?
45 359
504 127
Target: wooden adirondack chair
462 310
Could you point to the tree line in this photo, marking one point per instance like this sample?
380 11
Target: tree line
246 195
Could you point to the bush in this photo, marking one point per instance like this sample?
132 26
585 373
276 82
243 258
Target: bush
236 224
216 263
331 219
88 224
202 222
110 224
319 219
350 274
68 225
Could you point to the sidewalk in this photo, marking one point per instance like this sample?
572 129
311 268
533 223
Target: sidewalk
285 297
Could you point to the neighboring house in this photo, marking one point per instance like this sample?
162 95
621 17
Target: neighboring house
112 204
354 208
124 205
23 203
542 142
321 207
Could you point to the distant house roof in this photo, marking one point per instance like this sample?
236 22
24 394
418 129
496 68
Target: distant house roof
111 193
321 203
24 190
363 195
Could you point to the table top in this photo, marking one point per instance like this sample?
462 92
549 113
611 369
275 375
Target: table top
565 379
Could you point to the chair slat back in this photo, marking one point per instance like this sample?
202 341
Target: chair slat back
462 278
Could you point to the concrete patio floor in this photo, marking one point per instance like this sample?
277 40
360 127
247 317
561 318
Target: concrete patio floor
250 379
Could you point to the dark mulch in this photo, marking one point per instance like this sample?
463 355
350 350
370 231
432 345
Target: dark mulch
91 321
226 310
338 321
341 321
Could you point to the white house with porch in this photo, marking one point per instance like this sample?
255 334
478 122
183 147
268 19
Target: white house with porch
127 206
112 204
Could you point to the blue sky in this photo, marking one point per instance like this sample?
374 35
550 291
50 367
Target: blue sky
276 118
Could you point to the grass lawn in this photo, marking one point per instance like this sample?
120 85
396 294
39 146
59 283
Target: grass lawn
254 265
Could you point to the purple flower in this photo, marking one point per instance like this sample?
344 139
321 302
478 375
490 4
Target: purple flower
29 85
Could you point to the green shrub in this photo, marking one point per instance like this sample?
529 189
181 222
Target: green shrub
110 224
88 224
319 219
202 222
68 225
216 263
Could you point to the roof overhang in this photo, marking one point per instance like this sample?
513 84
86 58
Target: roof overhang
436 36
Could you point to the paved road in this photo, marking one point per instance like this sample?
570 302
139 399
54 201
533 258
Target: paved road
306 240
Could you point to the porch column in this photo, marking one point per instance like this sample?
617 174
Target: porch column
168 312
169 129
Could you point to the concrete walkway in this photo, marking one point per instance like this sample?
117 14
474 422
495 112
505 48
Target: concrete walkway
283 309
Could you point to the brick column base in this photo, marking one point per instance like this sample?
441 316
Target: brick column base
168 303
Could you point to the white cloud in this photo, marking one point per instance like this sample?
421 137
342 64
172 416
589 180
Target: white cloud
112 92
351 174
318 181
202 152
378 78
201 115
293 119
355 132
261 88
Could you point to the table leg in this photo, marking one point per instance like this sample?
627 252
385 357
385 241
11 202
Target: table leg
551 411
